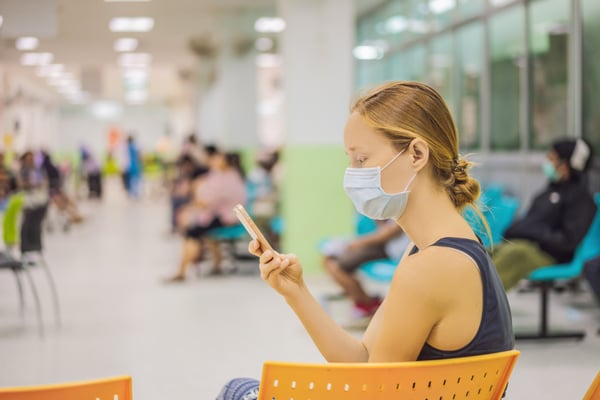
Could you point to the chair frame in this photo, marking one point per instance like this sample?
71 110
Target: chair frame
119 387
31 256
593 392
484 377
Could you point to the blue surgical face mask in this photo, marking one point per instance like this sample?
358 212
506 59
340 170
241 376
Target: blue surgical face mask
363 186
550 171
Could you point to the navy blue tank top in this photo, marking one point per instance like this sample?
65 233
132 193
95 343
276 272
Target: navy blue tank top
495 329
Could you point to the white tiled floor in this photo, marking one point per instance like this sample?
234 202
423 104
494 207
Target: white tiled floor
185 341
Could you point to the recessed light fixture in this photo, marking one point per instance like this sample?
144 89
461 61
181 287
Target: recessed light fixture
135 60
27 43
131 24
30 59
269 24
51 71
263 44
126 1
125 44
367 52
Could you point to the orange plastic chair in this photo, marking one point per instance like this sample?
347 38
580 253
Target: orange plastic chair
593 393
117 388
478 377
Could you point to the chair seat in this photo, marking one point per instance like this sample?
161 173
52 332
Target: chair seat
228 232
557 271
7 261
381 270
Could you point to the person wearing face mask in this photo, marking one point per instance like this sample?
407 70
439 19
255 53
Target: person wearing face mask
556 221
445 299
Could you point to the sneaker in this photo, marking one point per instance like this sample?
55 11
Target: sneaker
366 309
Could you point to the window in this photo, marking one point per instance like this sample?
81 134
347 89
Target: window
591 72
470 8
507 63
470 65
409 65
441 68
549 29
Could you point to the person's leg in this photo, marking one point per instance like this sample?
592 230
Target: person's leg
239 389
343 268
190 252
351 286
516 259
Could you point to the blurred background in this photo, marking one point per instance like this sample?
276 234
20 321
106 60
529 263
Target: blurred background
112 109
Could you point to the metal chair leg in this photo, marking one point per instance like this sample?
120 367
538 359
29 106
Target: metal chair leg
54 291
37 301
21 294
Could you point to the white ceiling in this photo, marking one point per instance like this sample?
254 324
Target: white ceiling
82 40
76 32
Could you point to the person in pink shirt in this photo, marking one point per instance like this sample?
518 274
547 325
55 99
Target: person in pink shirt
214 196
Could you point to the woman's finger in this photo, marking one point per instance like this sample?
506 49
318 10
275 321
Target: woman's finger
267 268
254 248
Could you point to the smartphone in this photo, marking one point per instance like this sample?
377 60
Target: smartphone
251 227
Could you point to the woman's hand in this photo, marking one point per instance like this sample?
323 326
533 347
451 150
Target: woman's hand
283 272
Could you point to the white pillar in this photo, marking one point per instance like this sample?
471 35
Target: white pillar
227 105
318 81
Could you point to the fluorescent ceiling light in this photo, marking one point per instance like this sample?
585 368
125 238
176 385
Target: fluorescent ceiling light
441 6
367 52
396 24
136 96
30 59
133 24
27 43
52 70
106 109
1 20
263 44
134 60
269 24
126 1
125 44
268 60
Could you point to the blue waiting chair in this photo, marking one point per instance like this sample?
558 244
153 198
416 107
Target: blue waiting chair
545 276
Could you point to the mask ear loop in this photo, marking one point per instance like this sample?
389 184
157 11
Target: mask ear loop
410 181
393 159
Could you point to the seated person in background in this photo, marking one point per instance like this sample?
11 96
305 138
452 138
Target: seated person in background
215 194
181 187
342 259
263 194
57 195
557 219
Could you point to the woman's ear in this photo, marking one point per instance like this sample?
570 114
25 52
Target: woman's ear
419 151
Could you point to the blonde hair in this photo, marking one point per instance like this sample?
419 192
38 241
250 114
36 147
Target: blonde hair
403 111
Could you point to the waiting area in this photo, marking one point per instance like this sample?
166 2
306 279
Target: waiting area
186 341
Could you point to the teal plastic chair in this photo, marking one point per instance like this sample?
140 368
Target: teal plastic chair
545 276
381 270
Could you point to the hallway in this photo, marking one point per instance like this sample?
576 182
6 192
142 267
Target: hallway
184 341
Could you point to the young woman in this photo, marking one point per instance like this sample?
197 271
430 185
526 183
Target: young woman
445 299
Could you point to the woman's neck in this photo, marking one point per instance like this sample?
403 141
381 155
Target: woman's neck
430 215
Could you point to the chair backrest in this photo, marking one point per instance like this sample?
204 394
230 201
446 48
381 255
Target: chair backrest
117 388
593 392
477 377
31 228
590 245
10 222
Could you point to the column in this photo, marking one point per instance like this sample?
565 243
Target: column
317 80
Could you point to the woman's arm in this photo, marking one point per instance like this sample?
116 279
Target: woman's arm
283 273
334 343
